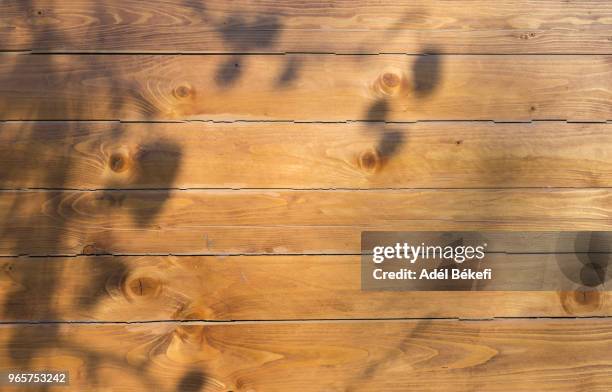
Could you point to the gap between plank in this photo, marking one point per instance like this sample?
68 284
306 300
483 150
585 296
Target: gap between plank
339 189
307 321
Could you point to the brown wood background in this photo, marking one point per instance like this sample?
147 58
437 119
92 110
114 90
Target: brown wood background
183 185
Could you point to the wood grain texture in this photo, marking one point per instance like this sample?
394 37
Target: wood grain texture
291 155
145 288
324 88
342 26
232 221
221 93
427 355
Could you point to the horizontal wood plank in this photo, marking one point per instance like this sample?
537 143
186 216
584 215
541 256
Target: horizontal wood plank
426 355
305 190
84 155
260 221
145 288
315 88
344 26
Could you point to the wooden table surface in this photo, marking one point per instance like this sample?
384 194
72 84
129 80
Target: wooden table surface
184 183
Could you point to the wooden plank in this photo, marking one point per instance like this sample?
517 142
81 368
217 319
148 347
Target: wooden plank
231 221
344 26
145 288
325 88
426 355
290 155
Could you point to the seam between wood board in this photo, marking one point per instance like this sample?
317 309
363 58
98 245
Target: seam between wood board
230 254
321 190
80 52
320 122
310 321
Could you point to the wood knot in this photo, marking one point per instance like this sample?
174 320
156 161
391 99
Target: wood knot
143 286
91 249
118 163
183 91
527 36
369 161
389 83
581 301
390 79
191 332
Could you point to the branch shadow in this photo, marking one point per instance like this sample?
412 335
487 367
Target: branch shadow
33 292
426 75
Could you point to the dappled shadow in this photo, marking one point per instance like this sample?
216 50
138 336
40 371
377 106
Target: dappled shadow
104 275
154 164
266 28
247 35
426 71
242 33
378 111
197 6
389 140
192 381
400 350
229 71
290 72
34 292
39 283
391 86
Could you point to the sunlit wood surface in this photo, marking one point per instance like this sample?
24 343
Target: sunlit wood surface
184 183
